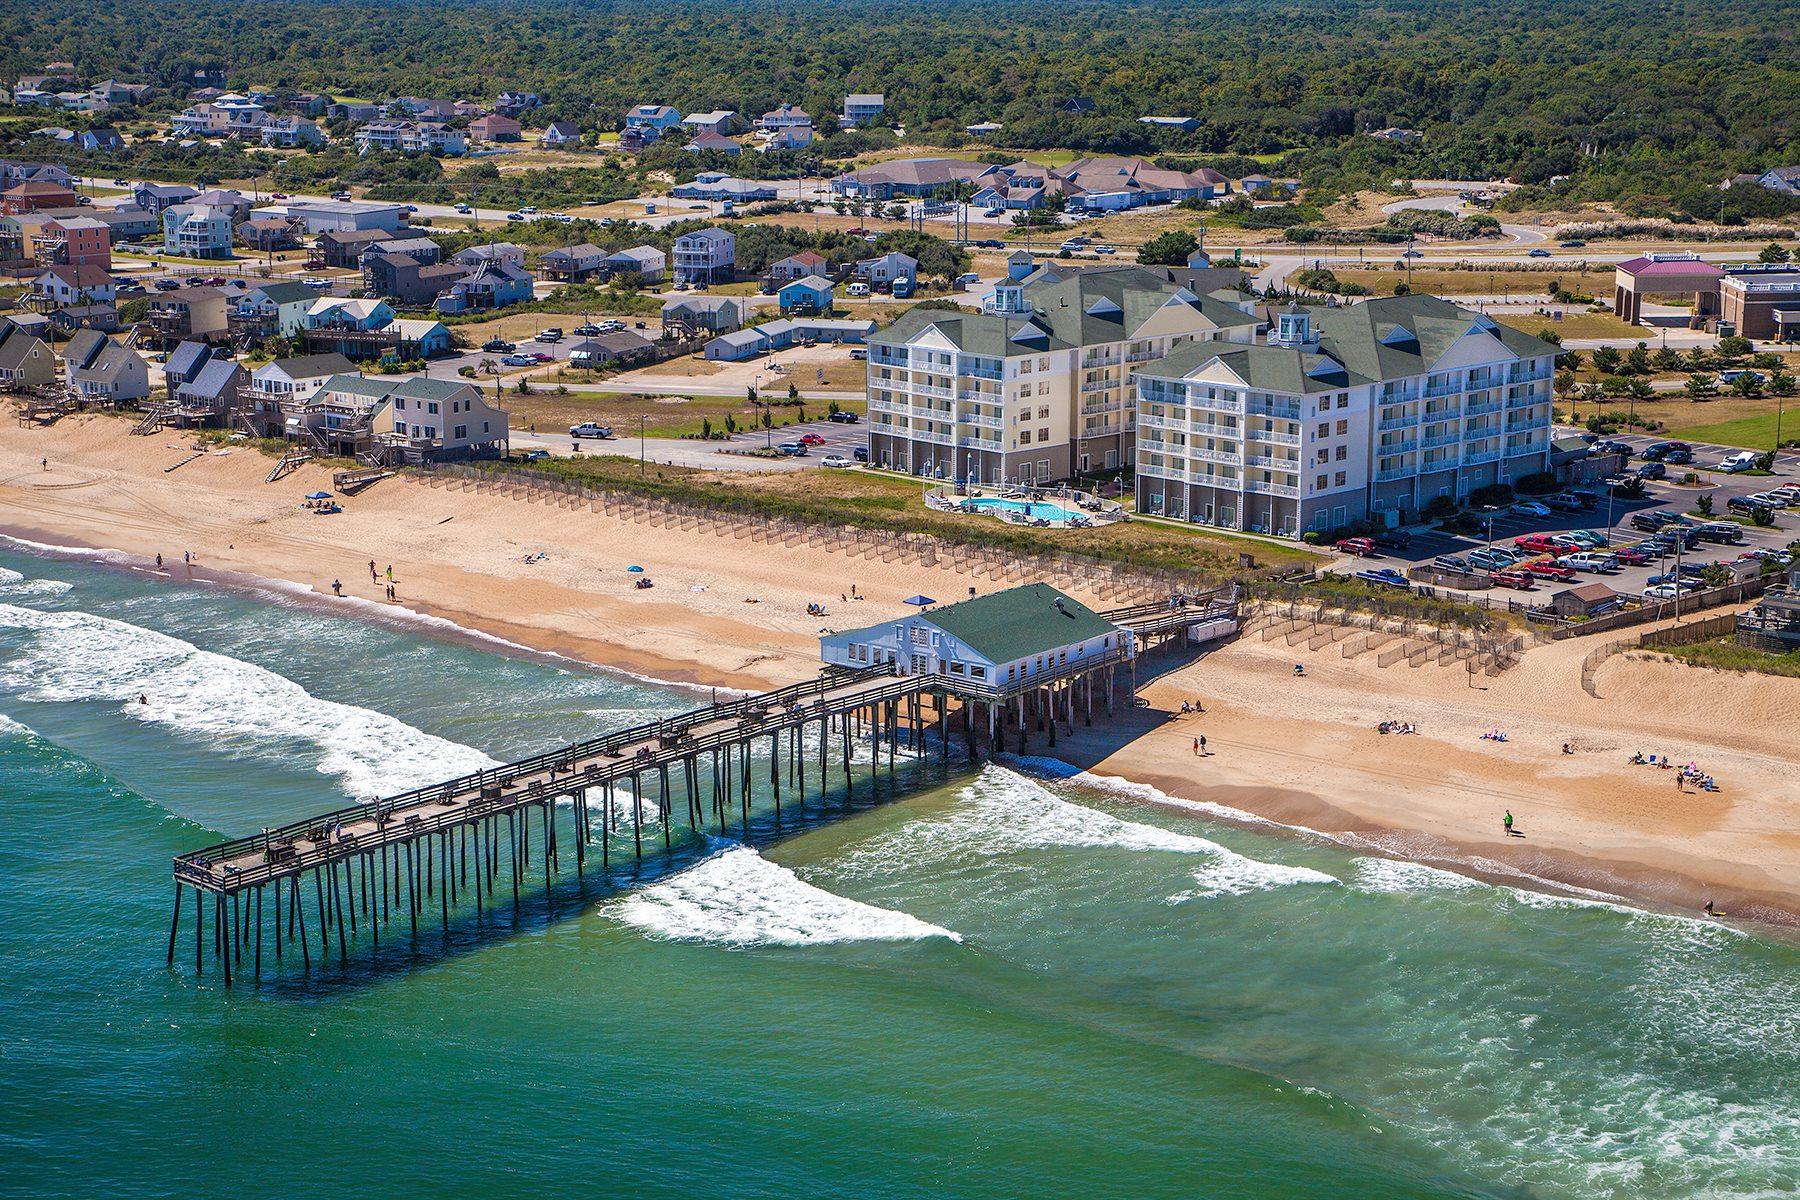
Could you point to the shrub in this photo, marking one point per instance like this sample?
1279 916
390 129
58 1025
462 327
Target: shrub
1493 495
1541 483
1440 506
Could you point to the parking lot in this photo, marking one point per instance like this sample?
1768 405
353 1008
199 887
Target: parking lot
1611 517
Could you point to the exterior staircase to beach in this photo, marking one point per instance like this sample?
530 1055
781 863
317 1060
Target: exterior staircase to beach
290 462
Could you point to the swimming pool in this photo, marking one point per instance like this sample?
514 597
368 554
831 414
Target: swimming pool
1040 509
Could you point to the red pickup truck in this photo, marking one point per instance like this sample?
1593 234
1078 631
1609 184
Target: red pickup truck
1361 547
1538 543
1545 569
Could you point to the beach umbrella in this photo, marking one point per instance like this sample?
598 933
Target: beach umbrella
634 568
919 601
318 495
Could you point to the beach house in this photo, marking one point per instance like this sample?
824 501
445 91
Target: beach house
103 371
281 388
273 310
25 361
647 262
705 256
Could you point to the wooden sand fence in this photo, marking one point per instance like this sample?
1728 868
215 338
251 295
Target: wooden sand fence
1112 582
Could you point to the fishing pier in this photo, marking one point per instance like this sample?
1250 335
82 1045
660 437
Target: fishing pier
347 876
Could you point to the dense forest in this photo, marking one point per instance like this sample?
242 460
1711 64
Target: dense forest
1637 101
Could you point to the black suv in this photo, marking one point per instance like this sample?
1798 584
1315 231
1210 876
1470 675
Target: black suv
1747 506
498 346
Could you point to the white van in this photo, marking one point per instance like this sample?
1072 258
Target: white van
857 289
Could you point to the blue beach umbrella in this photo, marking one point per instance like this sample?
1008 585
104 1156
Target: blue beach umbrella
919 601
318 495
634 568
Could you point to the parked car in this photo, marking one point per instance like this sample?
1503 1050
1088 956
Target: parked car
811 439
1587 537
1747 506
537 455
1679 458
169 285
538 356
1362 547
1721 531
590 429
860 454
1727 378
551 335
1385 577
1769 499
836 460
1665 591
1563 502
1545 568
464 208
498 346
1632 555
1653 470
316 282
1572 244
1612 447
1513 579
1104 249
1492 558
1655 451
844 416
1531 508
1450 562
1392 539
513 216
518 360
794 448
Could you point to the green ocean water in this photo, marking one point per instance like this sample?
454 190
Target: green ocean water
970 982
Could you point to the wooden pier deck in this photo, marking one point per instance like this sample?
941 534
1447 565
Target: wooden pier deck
370 861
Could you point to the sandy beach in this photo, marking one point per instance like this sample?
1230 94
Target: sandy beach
730 613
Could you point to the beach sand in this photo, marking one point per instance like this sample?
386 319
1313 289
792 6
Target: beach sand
1298 751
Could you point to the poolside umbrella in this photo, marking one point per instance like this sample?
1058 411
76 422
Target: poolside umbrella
318 495
919 601
634 568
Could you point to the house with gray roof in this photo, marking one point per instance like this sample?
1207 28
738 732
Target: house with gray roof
1035 387
647 262
103 371
1362 412
25 361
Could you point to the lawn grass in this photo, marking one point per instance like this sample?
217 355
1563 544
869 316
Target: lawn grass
1752 432
1578 325
1379 277
896 503
662 416
1726 655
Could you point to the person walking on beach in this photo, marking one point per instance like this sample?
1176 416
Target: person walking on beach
1203 745
1506 822
1196 747
159 562
390 572
372 576
46 463
337 588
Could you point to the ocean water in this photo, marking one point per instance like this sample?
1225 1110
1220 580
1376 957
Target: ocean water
971 982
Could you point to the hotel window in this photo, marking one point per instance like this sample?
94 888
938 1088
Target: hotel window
1343 427
1319 482
1340 479
1324 456
1324 429
1325 404
1025 437
1344 400
1044 414
1343 452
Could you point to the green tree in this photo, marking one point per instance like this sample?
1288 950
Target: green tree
1637 360
1666 359
1169 249
1565 381
793 391
1549 335
1607 360
1700 387
1734 347
1746 385
1639 389
1704 505
1781 383
1569 360
1774 253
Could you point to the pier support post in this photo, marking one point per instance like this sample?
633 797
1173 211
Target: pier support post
174 924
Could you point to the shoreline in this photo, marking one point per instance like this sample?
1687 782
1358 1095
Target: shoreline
730 613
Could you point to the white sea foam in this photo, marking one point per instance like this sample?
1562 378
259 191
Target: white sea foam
233 705
739 898
1003 811
1397 875
34 589
1148 793
9 576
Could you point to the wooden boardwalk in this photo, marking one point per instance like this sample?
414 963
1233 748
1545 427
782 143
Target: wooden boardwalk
442 845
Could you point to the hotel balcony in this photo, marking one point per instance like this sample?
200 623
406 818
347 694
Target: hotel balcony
1270 408
1441 439
1274 436
1475 457
1272 461
1393 473
1271 489
1402 447
1404 422
1475 408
